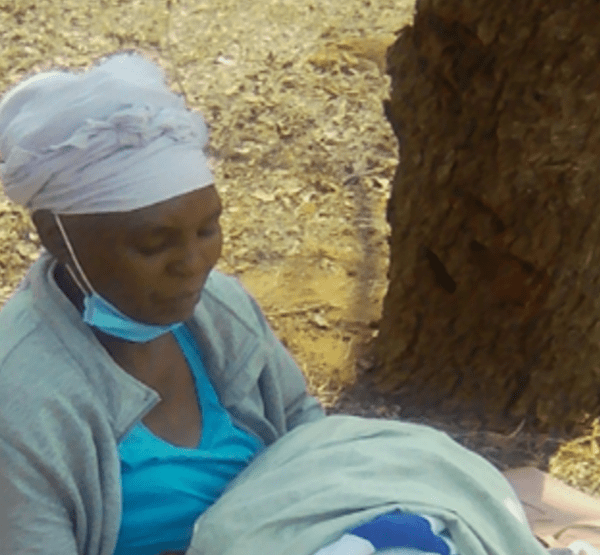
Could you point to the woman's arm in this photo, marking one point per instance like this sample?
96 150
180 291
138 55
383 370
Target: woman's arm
300 406
33 519
288 379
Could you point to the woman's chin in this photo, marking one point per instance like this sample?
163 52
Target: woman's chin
176 310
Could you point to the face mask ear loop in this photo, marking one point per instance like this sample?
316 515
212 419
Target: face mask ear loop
72 253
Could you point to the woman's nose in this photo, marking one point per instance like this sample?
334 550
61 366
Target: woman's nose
192 260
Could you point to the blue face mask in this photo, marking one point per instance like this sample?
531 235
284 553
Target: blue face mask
101 314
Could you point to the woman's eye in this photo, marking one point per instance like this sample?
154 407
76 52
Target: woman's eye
148 251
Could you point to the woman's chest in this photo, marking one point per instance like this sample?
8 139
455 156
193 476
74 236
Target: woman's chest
177 418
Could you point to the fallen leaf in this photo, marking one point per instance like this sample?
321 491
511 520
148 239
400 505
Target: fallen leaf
264 197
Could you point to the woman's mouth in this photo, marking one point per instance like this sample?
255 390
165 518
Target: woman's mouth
186 297
183 299
179 307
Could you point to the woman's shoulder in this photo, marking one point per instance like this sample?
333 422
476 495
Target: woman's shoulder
37 376
62 387
33 359
18 324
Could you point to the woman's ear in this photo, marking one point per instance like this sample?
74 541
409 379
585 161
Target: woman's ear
50 235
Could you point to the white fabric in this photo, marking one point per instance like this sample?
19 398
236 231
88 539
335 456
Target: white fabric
348 544
111 139
583 548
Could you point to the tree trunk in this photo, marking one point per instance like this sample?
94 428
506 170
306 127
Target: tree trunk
495 247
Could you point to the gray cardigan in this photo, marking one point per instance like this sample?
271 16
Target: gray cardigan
64 405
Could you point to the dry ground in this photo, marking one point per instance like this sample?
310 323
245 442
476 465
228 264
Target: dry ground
292 91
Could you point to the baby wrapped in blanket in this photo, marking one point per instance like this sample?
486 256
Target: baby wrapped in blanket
323 479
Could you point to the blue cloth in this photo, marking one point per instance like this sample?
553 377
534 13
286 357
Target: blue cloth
167 487
398 529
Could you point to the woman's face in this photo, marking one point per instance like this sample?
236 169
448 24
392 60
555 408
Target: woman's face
151 263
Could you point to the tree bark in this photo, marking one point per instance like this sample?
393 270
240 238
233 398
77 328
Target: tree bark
495 245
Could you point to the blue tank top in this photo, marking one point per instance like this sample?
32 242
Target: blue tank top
167 487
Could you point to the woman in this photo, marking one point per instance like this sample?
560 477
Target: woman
135 380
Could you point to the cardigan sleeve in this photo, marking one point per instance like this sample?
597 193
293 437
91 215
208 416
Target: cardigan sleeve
33 518
287 380
59 492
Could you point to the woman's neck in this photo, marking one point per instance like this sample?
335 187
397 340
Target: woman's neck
68 286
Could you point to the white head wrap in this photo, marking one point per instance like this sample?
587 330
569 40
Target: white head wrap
111 139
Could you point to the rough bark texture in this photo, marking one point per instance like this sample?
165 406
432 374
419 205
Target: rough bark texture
495 247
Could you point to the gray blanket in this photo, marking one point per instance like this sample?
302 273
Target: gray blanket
328 476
